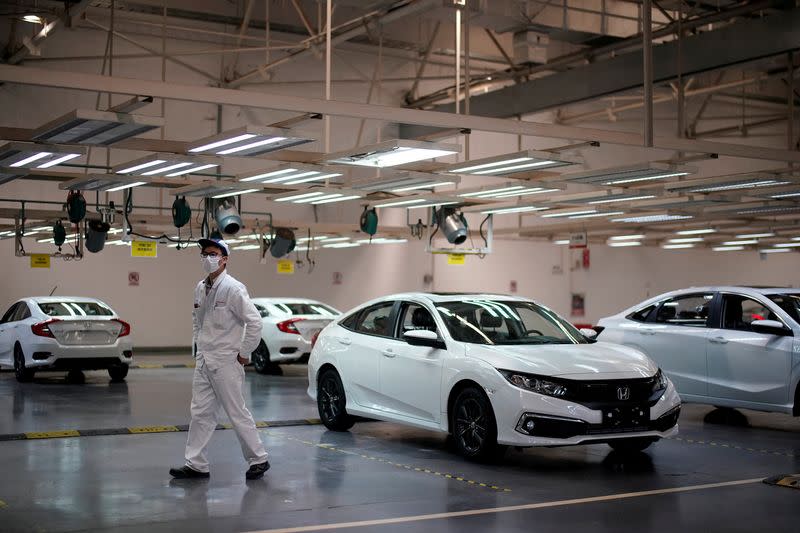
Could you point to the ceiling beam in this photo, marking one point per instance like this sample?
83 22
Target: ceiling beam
738 43
48 29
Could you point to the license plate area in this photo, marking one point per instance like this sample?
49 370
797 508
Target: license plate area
626 418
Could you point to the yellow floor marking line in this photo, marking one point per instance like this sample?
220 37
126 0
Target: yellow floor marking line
153 429
386 461
507 509
52 434
734 447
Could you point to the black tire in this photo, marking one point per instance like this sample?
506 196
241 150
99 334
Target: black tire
474 426
76 377
23 374
118 372
633 445
262 363
331 402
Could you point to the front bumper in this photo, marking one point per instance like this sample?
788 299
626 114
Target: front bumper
562 423
53 356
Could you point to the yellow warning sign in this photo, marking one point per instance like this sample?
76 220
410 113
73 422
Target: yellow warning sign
456 259
285 266
144 249
40 261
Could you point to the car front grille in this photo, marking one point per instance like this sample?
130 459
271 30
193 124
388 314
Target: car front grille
616 393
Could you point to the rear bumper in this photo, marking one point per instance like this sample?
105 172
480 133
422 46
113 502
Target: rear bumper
53 356
287 348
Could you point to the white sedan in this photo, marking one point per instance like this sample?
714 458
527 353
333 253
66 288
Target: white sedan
725 346
490 370
288 326
62 333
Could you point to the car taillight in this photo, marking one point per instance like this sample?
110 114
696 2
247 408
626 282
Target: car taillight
42 329
287 326
125 329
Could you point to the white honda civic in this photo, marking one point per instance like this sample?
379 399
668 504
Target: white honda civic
492 371
63 333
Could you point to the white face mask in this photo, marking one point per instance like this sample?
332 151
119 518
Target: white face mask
210 264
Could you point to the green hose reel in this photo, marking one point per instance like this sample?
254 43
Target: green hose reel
181 212
369 221
76 206
59 234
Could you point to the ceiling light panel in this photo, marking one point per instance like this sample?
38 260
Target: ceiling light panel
392 153
651 219
102 182
10 174
677 246
512 210
701 231
292 174
630 175
165 165
17 155
96 128
318 196
738 182
248 141
508 190
518 162
404 181
215 189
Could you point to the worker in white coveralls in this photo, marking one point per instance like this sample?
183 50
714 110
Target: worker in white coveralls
226 330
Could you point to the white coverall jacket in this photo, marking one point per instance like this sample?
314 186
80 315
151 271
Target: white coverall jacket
226 324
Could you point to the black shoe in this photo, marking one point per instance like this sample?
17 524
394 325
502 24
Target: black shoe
257 471
186 472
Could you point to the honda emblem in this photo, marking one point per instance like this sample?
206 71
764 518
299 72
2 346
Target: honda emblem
623 393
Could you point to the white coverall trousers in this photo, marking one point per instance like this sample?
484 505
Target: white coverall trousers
211 388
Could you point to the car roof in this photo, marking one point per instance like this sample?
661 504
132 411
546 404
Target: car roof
57 299
739 288
438 297
287 301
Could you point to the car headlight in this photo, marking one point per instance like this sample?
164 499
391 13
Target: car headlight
660 382
535 383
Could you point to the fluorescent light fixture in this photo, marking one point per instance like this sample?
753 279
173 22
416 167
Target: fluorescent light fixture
381 240
100 182
95 128
33 19
622 199
624 244
630 174
733 182
677 246
787 245
626 238
126 186
345 198
597 215
300 196
491 192
685 240
162 164
695 231
248 140
437 204
752 184
561 242
644 219
514 163
317 196
291 174
774 251
785 195
341 245
403 181
777 210
510 210
525 192
740 243
560 214
755 235
728 248
337 239
15 155
235 193
402 202
392 153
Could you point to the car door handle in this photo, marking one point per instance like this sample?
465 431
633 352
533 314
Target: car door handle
346 342
718 340
647 332
389 353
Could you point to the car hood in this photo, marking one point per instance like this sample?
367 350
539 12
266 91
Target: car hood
578 361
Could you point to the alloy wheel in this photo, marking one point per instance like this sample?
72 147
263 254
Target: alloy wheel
471 425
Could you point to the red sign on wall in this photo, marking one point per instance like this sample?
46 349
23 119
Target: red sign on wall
586 258
133 279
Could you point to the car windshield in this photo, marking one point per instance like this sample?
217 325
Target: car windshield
306 309
506 322
75 309
789 303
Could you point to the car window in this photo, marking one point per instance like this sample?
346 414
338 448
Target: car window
506 322
305 309
415 317
375 320
22 312
350 321
789 303
738 312
261 310
642 314
67 308
686 310
8 316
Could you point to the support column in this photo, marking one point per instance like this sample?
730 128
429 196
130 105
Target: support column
647 49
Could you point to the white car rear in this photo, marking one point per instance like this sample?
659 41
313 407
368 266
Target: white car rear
491 370
64 333
724 346
289 325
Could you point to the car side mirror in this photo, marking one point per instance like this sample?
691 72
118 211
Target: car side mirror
770 327
589 333
423 337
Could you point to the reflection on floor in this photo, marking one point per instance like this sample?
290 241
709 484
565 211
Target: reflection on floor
376 471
